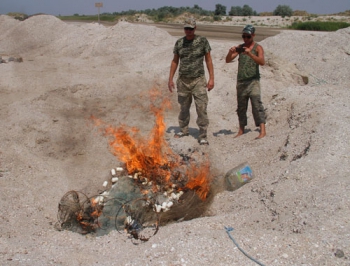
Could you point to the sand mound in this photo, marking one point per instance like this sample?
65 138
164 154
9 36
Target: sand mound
48 35
324 55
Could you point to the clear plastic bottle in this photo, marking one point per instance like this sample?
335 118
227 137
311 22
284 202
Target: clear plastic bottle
238 176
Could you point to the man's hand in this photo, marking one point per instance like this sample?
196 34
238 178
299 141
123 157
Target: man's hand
259 58
210 84
232 54
247 51
171 85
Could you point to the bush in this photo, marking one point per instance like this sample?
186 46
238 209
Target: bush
283 11
266 14
220 10
216 18
242 11
21 18
319 26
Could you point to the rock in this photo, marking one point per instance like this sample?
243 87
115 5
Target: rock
339 253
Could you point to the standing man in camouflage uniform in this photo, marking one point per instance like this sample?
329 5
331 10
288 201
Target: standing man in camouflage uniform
251 55
190 51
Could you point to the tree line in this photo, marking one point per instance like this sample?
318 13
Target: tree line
220 10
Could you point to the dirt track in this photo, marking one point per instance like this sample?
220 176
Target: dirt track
212 32
218 32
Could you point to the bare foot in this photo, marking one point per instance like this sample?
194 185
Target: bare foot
240 132
261 136
262 131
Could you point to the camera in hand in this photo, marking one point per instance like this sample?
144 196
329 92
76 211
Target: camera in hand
240 49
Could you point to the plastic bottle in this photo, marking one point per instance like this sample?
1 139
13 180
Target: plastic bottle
238 176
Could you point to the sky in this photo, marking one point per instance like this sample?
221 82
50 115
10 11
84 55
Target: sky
87 7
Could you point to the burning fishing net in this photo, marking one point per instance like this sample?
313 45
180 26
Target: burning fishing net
151 187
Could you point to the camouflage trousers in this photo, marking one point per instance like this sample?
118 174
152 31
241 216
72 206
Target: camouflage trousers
249 90
188 89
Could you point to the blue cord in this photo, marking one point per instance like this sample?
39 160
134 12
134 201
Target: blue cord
228 230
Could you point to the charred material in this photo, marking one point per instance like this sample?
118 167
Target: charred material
133 205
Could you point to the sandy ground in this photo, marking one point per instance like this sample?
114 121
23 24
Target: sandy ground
217 32
54 76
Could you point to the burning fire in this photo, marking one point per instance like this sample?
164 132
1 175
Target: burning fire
165 180
151 158
199 180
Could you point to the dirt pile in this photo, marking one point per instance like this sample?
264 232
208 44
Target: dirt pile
50 36
323 55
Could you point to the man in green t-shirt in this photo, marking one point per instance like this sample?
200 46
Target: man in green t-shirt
251 55
190 51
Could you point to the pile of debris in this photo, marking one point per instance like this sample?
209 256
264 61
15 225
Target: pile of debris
132 203
152 187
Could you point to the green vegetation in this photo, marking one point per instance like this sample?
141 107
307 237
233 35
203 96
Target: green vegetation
161 14
220 10
167 13
242 11
170 14
103 17
283 11
19 16
319 26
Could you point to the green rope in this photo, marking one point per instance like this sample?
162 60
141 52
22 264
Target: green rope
228 230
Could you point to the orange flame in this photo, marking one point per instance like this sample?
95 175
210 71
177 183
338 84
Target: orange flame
97 210
85 218
199 179
152 157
